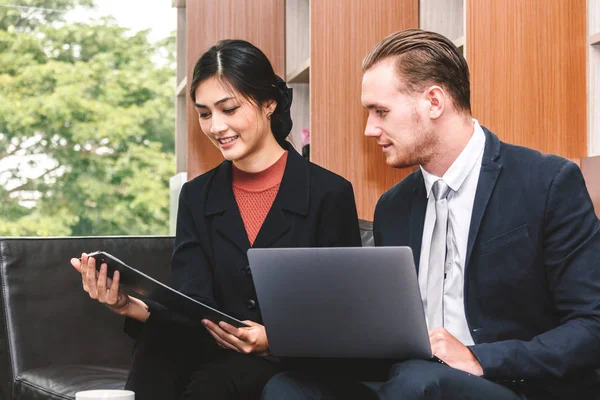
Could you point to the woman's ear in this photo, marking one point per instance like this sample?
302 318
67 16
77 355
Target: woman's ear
270 106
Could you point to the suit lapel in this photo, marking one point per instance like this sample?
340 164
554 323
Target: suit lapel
222 205
417 219
275 225
293 196
231 226
490 170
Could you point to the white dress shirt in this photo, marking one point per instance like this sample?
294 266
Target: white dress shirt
462 178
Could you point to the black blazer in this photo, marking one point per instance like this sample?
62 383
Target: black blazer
313 208
532 274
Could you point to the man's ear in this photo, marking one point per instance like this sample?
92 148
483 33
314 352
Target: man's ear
436 97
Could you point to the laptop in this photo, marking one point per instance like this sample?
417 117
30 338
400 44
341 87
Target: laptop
353 302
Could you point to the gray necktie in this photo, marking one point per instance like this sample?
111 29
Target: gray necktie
437 257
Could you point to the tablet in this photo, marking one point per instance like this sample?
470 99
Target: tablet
138 284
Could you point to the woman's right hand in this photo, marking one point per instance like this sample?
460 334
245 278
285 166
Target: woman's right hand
99 287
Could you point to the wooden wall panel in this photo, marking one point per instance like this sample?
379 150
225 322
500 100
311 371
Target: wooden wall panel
342 32
528 68
260 22
590 167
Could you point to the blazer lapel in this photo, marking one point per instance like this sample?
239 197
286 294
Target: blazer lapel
417 219
293 196
490 170
221 203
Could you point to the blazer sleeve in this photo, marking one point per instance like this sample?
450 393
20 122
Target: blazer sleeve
338 222
572 266
190 270
377 215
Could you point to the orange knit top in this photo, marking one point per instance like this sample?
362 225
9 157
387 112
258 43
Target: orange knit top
255 194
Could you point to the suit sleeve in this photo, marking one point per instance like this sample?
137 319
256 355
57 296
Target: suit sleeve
338 222
190 269
192 272
376 221
571 256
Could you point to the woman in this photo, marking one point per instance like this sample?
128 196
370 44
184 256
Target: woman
263 195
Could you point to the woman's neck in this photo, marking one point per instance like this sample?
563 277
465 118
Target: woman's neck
262 158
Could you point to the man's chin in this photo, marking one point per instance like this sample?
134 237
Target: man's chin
399 163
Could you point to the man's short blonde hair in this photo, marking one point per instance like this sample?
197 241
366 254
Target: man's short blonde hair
422 58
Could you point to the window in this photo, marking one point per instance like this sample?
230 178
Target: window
87 117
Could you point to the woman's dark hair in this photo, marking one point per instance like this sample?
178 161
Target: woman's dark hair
243 66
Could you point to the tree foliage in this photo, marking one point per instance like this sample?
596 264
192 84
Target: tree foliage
86 124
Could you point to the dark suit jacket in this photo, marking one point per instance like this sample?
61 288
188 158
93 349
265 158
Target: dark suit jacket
313 208
532 274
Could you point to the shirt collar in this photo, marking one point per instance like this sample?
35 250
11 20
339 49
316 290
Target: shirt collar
456 175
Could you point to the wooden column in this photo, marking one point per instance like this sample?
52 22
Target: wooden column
342 32
528 71
260 22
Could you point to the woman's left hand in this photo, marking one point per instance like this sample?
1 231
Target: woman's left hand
246 340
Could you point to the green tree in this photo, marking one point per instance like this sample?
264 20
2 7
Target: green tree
86 124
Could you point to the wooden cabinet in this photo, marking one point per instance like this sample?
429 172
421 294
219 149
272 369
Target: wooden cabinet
324 64
535 72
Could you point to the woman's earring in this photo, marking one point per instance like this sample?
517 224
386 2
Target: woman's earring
269 115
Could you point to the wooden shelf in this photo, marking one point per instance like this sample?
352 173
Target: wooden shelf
301 74
459 42
446 17
180 90
595 39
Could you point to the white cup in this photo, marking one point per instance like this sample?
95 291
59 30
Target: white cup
105 394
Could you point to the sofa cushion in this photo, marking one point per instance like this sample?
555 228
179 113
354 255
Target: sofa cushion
62 382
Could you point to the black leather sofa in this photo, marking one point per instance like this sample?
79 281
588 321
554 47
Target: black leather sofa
54 340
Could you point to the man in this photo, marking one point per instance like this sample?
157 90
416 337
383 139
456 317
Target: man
505 239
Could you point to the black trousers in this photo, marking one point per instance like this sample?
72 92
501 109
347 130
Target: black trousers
327 379
176 362
408 380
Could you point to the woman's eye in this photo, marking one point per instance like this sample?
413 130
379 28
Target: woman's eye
204 115
230 110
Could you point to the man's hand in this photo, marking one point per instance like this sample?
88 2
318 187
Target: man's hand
250 340
451 351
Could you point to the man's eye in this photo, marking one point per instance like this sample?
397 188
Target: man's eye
381 113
